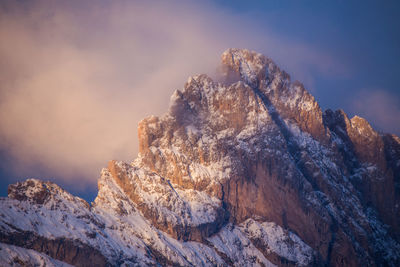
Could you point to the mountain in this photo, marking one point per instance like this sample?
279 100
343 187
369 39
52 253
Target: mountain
248 171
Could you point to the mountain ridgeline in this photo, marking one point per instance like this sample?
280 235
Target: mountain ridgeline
248 171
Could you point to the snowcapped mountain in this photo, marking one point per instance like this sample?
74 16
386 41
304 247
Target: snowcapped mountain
245 172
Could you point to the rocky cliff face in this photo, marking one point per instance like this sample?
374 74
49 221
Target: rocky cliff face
248 171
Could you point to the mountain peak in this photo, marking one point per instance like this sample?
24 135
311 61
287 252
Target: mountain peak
43 193
362 125
245 65
31 189
249 170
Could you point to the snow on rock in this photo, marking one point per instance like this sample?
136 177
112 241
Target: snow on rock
186 214
230 240
274 239
132 228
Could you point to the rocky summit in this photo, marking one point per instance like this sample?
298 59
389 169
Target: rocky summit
247 171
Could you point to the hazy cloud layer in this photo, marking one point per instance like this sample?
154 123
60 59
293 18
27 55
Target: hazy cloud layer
76 78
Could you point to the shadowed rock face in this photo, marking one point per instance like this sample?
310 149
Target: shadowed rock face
250 170
70 251
379 153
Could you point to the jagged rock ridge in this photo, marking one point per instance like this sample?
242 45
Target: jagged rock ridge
248 171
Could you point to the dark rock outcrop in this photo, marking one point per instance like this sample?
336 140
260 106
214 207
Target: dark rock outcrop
70 251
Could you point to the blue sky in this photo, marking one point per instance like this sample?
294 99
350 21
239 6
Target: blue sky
78 76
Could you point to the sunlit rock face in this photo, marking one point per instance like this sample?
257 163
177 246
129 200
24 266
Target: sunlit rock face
246 171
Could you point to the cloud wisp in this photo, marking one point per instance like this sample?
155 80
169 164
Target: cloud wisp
77 78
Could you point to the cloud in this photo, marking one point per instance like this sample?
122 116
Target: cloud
380 108
76 78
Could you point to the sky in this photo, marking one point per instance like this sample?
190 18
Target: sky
76 77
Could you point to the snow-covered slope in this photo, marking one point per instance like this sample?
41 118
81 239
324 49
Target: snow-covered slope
114 232
244 172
